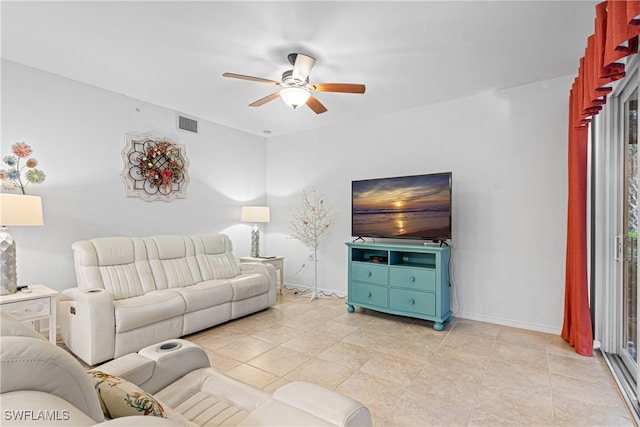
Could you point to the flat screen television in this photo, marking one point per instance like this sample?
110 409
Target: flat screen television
405 207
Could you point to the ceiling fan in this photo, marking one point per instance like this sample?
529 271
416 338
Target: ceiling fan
295 87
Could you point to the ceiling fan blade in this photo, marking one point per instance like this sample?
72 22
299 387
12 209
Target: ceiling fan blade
264 100
316 105
253 79
302 67
337 87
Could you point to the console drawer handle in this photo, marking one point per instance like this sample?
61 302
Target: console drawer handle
369 294
412 301
413 279
369 274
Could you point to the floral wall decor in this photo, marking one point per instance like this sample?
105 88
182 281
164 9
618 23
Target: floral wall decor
12 177
155 168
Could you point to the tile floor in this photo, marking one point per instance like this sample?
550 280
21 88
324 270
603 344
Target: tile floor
407 374
471 374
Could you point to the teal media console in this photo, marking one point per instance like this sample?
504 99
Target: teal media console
403 279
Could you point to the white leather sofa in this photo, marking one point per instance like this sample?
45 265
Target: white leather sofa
42 384
135 291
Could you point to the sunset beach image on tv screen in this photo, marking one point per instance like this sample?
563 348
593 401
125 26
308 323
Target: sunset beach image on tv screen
405 207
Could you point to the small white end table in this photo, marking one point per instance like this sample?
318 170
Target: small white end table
33 306
276 261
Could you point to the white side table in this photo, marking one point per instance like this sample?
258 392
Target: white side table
276 261
33 306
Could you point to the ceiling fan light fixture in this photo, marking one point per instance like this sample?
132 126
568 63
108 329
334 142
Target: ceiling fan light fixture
294 96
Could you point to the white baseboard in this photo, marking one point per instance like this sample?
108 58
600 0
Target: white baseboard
323 291
508 322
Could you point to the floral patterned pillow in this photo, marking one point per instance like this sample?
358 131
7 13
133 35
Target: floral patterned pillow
120 398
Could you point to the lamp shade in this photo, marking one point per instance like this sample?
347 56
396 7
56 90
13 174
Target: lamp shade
20 210
294 96
255 214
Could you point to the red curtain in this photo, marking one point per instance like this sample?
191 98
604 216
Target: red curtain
617 26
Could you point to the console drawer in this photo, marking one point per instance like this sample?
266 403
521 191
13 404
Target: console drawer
368 272
423 303
368 294
418 278
28 310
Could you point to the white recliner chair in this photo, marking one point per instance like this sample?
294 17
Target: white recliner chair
42 384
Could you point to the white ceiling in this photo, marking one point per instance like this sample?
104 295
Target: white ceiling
408 54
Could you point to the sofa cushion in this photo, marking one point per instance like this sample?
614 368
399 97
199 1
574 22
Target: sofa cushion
249 285
206 294
173 262
116 264
214 253
132 313
207 387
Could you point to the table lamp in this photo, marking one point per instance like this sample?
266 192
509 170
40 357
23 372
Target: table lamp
255 214
17 210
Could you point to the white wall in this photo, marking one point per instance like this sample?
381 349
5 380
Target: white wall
77 133
507 152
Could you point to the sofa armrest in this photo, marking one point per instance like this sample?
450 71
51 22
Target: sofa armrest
323 403
156 366
266 269
132 367
87 323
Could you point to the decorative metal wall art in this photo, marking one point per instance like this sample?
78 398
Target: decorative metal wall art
155 168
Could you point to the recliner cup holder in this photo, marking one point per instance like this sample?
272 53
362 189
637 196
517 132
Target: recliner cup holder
168 346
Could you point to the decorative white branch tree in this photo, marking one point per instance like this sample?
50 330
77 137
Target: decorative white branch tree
310 223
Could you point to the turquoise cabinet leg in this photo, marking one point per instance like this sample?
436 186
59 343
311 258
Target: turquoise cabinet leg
350 308
448 320
438 326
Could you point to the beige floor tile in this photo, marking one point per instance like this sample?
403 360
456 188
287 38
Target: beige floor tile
277 334
245 348
522 338
573 412
447 384
556 345
428 410
500 374
465 342
279 360
415 351
249 324
336 330
514 405
379 395
408 374
345 354
460 361
221 362
518 356
392 368
214 338
319 371
589 392
358 319
386 325
477 329
311 342
370 339
252 375
586 368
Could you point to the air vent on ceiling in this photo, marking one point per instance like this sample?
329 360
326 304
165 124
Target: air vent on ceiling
187 124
